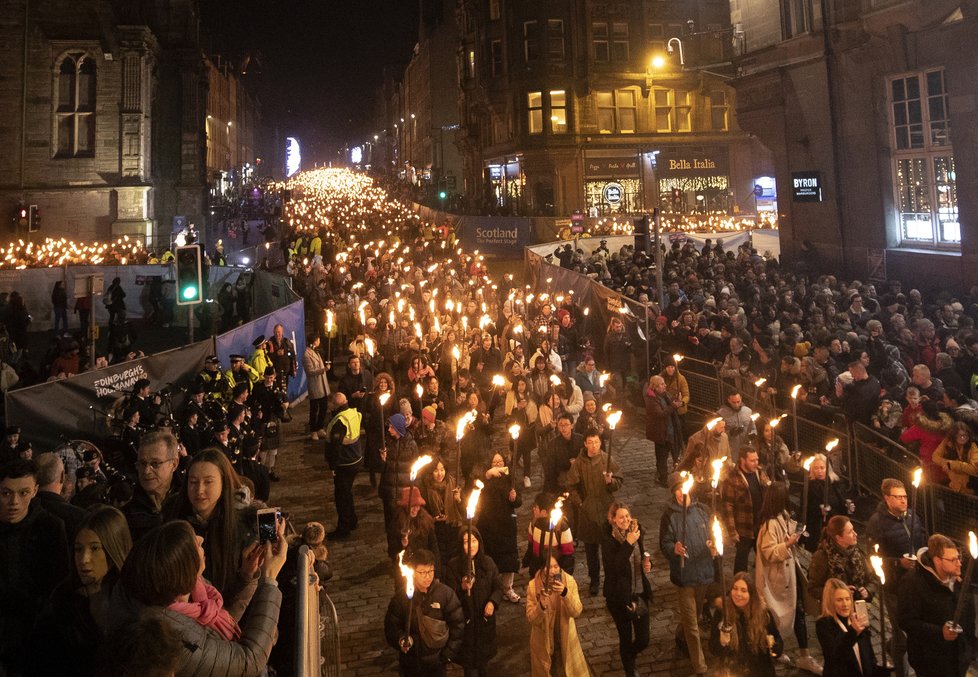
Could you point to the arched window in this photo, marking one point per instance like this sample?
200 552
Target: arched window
76 106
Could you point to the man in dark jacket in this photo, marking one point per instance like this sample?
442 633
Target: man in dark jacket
740 492
683 536
860 394
156 464
889 528
433 601
356 383
928 597
51 481
659 430
557 456
33 560
344 457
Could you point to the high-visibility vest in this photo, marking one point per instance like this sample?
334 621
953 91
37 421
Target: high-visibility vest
351 419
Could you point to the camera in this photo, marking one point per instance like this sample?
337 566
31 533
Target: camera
268 524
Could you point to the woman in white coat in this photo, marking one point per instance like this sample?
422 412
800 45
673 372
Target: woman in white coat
777 573
317 386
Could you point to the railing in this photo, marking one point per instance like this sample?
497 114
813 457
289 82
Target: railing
863 456
317 639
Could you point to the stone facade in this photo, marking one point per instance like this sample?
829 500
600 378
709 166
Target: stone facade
832 105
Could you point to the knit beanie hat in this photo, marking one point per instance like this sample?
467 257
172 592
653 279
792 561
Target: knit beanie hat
399 424
428 414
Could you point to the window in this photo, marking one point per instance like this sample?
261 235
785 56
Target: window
534 106
796 18
659 34
555 39
531 42
617 111
558 111
673 110
495 10
619 42
76 106
599 38
496 57
471 64
924 172
719 111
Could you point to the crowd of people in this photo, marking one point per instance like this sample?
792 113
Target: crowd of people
440 385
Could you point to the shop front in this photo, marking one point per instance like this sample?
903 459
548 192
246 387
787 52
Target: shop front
612 182
505 182
694 180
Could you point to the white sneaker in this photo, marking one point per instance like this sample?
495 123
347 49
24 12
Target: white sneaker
526 482
315 436
809 664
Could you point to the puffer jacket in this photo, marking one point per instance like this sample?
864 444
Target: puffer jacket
698 569
892 534
439 603
479 641
204 652
396 474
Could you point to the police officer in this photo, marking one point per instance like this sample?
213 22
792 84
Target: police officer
211 379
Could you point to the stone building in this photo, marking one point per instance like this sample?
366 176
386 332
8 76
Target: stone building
872 126
579 105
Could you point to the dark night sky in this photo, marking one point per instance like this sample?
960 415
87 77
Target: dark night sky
322 60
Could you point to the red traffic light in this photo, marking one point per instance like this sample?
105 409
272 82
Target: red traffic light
23 213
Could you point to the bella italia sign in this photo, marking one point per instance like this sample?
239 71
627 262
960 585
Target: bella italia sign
686 161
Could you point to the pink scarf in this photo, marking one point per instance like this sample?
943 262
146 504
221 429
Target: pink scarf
206 606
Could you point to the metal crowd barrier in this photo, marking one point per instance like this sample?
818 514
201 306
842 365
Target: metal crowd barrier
317 645
863 456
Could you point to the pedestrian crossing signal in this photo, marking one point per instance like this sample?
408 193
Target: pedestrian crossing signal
188 274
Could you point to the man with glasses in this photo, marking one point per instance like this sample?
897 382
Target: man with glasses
434 604
928 599
156 463
33 560
889 528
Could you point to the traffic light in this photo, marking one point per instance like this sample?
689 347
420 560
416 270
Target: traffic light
442 195
33 219
189 282
20 217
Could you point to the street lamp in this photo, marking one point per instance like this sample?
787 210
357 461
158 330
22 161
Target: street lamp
670 48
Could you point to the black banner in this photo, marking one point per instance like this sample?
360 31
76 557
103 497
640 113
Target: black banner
77 407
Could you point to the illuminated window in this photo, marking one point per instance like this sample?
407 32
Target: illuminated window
617 111
719 111
924 175
531 42
471 64
534 106
558 111
673 110
555 39
76 107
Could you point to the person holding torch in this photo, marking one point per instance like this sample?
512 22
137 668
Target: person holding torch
627 591
690 562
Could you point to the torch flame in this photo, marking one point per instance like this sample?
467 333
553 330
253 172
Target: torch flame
556 514
613 419
407 573
554 380
832 444
712 423
456 354
677 358
774 422
794 391
329 321
420 463
473 500
383 398
498 381
717 536
688 484
468 418
917 475
369 343
807 463
759 382
755 416
717 464
877 563
514 430
419 390
973 545
603 378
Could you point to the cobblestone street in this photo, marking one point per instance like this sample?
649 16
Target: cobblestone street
361 586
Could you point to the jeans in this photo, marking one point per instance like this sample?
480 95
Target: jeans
744 546
346 515
690 600
60 319
633 637
663 451
593 553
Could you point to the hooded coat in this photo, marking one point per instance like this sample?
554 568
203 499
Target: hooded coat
929 433
479 641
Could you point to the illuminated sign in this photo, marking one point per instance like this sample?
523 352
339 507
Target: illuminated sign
613 193
293 158
806 186
356 155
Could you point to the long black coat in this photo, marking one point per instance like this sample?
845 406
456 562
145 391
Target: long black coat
479 642
401 455
497 522
840 659
619 578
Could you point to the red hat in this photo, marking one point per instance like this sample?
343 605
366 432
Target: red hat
429 413
410 497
